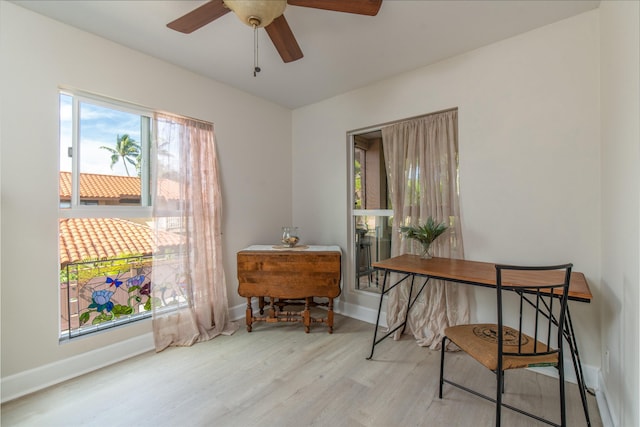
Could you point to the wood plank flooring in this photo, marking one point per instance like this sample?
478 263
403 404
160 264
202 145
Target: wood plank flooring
279 376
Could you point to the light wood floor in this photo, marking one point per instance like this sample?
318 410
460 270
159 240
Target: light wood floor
279 376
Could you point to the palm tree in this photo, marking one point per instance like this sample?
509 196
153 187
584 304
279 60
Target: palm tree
126 149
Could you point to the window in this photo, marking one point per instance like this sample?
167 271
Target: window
371 211
105 233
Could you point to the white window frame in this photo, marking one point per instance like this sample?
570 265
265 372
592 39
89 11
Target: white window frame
76 210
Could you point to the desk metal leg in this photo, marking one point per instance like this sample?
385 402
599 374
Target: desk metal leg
410 303
570 337
375 331
384 291
577 364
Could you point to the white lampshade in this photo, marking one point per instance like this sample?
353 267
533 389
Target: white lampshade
257 12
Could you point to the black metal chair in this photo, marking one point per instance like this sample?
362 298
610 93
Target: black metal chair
542 294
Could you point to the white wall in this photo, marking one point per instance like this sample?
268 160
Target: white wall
620 100
38 55
529 126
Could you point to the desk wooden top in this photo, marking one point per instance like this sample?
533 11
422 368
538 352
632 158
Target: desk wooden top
479 273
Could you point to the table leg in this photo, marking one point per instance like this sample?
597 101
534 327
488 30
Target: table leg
409 304
249 314
384 291
261 304
272 308
375 331
577 364
330 316
570 337
306 315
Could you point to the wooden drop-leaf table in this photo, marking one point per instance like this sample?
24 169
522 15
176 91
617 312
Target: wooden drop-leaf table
289 277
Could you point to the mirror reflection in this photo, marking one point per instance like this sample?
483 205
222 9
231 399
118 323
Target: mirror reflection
371 213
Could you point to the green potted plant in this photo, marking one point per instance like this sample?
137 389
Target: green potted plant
425 234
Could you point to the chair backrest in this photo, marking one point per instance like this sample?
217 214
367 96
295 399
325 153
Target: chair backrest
542 293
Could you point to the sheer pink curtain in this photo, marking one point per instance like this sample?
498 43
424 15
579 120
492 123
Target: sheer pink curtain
422 173
188 290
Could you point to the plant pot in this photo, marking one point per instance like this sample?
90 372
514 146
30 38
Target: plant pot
426 251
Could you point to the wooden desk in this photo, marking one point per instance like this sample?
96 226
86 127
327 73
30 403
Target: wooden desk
289 274
478 274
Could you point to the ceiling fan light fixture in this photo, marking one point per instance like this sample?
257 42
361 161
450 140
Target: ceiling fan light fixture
257 13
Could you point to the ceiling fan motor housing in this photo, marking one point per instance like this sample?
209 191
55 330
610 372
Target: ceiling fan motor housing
257 13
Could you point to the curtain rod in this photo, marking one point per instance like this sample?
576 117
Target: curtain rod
380 126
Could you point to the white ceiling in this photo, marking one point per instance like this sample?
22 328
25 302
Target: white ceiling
342 51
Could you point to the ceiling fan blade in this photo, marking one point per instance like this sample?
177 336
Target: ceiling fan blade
199 17
283 39
360 7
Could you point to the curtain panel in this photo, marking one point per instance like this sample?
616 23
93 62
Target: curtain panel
421 158
189 291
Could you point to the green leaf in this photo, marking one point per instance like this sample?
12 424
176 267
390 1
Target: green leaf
133 288
119 310
84 317
102 317
426 233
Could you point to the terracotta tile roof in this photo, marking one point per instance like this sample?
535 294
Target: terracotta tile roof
101 238
95 186
110 187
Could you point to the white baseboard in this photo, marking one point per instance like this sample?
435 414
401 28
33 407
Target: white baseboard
239 311
30 381
608 417
360 313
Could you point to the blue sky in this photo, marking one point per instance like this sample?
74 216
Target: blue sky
99 126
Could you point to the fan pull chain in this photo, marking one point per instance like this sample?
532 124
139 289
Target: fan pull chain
256 68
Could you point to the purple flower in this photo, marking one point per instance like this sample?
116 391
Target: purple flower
101 300
146 289
101 297
136 281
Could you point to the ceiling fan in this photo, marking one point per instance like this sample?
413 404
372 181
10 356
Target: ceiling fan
269 14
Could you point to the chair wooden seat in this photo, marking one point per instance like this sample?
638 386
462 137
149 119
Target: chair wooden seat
480 342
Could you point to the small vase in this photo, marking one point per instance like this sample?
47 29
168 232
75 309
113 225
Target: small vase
290 236
426 251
